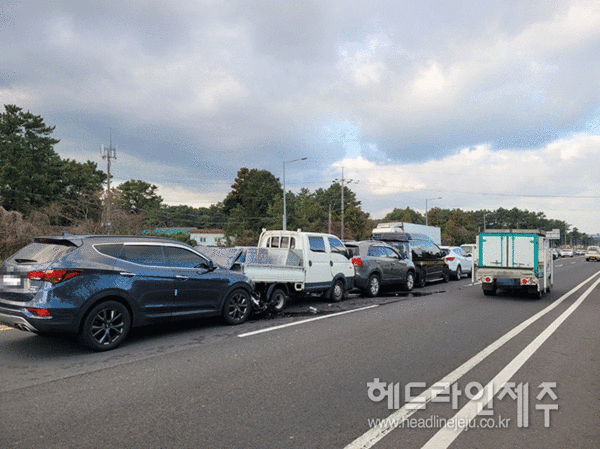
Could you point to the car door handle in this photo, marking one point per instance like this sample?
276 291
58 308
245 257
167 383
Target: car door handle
127 274
180 276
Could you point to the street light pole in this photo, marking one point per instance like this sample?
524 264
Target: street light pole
426 217
284 203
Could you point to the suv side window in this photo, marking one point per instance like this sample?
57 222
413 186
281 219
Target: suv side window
183 258
390 253
377 251
317 244
141 254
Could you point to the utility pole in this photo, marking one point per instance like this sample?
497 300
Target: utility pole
108 154
284 224
343 182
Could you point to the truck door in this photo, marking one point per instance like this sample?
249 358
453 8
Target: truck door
339 258
509 251
318 270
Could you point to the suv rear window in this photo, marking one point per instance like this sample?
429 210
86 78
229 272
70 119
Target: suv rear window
38 252
110 249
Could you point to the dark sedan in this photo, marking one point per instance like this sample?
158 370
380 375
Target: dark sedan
377 264
101 286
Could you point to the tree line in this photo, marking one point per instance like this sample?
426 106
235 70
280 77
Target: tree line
41 193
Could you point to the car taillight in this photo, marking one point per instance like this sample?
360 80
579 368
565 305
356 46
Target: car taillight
450 259
357 261
53 276
39 312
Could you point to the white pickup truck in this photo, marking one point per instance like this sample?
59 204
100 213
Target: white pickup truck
293 263
514 259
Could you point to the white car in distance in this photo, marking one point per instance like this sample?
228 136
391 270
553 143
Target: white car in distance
458 261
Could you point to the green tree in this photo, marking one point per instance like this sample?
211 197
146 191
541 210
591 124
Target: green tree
354 218
183 215
407 215
247 205
139 196
32 174
30 169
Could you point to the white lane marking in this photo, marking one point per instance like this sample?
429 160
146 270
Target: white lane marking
446 435
296 323
375 434
5 328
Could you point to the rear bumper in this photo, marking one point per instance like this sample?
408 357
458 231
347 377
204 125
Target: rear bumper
17 322
22 319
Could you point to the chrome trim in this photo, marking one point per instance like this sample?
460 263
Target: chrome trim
17 322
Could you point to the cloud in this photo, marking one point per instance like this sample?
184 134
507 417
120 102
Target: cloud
560 178
193 91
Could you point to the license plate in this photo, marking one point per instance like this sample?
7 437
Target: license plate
510 282
12 281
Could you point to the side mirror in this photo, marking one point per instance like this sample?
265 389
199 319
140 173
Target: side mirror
208 265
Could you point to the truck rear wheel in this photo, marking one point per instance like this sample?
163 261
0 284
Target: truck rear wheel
278 299
490 291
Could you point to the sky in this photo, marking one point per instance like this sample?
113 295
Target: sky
453 104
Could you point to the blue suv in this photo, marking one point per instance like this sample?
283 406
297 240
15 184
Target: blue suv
100 286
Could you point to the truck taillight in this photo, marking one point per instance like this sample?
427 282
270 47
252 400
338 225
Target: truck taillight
528 281
357 261
53 276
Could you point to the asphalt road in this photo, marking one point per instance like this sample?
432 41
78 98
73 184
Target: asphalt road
301 379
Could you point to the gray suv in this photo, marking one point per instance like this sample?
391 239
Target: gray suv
100 286
377 264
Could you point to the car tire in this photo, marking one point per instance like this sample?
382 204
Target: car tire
278 299
446 275
410 281
373 286
337 291
458 273
106 326
237 307
422 279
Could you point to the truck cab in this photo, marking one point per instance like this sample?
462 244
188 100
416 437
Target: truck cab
326 260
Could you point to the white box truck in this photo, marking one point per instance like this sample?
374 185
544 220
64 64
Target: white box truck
433 232
514 259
